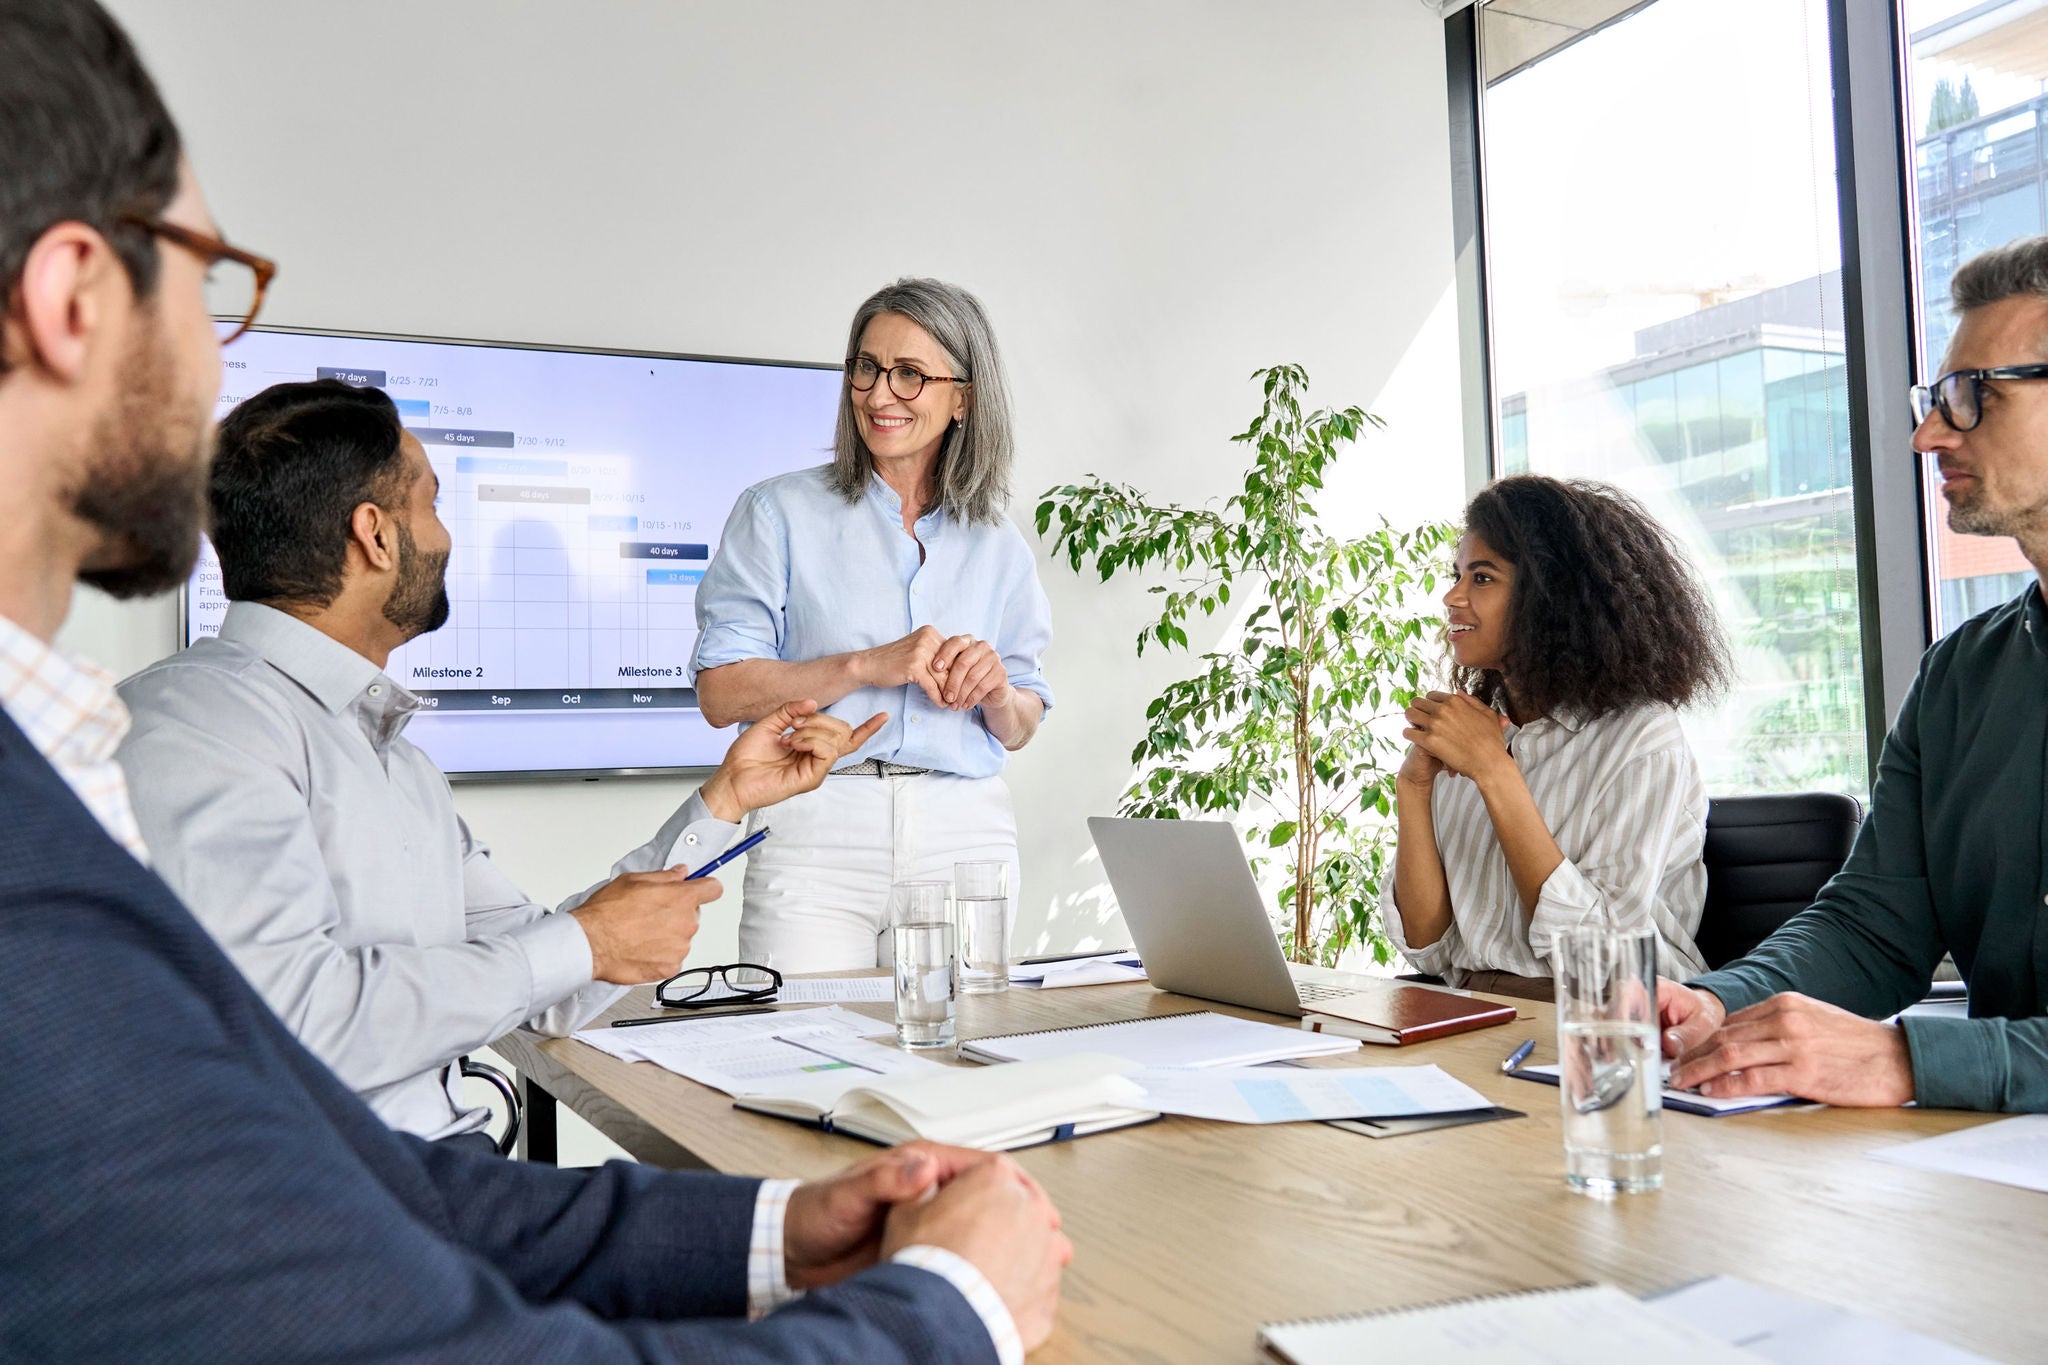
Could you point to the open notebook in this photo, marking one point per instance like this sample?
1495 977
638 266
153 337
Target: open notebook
995 1109
1197 1038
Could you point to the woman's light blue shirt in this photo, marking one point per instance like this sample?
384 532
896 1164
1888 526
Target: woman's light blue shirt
801 574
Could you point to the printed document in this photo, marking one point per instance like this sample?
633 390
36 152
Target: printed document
1259 1094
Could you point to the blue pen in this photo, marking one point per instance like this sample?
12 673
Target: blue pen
722 859
1518 1056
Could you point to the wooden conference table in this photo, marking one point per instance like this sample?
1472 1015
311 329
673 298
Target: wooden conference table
1189 1233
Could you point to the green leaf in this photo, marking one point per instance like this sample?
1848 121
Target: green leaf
1282 833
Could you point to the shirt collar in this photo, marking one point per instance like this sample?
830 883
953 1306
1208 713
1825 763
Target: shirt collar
2034 619
332 672
879 488
1566 719
67 707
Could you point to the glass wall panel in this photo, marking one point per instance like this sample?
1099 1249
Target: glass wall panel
1976 91
1677 330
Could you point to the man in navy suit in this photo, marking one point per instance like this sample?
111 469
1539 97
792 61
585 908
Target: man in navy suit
179 1178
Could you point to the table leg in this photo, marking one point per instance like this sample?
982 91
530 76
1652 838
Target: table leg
537 1135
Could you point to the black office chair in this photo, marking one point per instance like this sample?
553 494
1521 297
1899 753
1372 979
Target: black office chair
501 1083
1767 857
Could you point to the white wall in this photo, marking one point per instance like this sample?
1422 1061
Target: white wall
1152 198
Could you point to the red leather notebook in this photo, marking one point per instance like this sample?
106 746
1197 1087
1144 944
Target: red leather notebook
1401 1014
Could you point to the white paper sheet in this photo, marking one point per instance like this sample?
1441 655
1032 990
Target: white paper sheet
2012 1152
758 1053
1103 969
1256 1094
1555 1327
1773 1325
824 989
1191 1038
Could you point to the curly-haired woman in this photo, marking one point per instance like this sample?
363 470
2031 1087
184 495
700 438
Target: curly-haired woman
1554 787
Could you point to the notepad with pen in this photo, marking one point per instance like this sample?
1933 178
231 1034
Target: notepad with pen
1195 1038
994 1109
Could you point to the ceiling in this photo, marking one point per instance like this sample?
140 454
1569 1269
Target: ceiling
1516 34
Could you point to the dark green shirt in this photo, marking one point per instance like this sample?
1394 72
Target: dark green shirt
1953 858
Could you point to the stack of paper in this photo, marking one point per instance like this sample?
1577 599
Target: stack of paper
1197 1038
819 990
1103 969
1785 1328
1262 1094
2011 1152
755 1054
1582 1324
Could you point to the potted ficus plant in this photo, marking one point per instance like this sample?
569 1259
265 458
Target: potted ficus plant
1285 726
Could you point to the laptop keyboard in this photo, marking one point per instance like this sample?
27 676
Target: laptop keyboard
1308 990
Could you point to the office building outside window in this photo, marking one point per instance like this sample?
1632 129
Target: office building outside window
1665 314
1977 103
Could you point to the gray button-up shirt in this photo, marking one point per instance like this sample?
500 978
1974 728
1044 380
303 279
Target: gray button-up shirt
278 797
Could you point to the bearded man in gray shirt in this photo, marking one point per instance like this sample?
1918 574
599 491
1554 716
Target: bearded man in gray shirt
277 795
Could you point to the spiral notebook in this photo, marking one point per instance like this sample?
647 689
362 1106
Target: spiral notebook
1197 1038
1582 1325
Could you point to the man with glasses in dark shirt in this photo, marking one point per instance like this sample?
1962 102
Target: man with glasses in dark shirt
179 1178
1954 856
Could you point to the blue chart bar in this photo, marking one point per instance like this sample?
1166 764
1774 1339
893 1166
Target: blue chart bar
599 523
411 408
501 464
643 549
674 578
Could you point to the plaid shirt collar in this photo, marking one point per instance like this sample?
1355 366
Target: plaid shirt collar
67 707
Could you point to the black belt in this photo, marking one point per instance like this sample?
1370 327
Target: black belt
879 767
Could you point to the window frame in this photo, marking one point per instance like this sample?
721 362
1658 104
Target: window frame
1895 589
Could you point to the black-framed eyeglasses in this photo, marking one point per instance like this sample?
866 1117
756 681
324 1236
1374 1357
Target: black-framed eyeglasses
905 381
236 280
738 983
1958 395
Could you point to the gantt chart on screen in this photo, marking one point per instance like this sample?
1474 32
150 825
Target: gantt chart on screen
584 495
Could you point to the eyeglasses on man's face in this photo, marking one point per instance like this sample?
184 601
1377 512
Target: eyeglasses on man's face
905 381
1959 395
738 983
236 280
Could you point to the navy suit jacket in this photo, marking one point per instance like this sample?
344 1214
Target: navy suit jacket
181 1180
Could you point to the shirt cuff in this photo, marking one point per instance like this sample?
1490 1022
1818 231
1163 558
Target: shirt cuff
1958 1063
1435 960
767 1262
981 1296
701 837
558 960
1564 902
1734 987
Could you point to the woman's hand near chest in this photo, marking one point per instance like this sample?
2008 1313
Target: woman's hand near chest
1459 731
903 662
970 673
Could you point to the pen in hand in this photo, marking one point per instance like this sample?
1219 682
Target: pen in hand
722 859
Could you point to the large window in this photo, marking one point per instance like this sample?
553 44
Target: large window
1663 265
1977 108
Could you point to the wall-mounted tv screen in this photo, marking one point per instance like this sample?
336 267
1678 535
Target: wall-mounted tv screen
585 492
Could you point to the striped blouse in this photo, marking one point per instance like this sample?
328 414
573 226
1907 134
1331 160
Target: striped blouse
1622 796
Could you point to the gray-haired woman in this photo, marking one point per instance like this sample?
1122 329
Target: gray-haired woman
889 580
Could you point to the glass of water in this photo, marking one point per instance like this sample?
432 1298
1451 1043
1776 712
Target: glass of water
981 906
1611 1078
921 933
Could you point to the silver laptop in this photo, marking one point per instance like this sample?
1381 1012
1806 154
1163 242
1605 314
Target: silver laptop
1198 921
